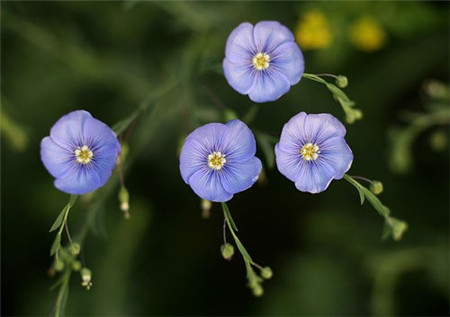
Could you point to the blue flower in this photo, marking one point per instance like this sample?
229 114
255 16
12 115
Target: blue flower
80 153
312 151
218 160
263 61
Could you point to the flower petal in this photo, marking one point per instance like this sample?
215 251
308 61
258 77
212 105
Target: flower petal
288 163
81 180
237 176
193 157
314 177
97 132
337 154
288 60
239 142
268 35
240 46
269 86
292 134
207 185
67 132
56 159
322 126
240 76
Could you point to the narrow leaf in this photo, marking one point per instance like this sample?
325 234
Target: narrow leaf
59 220
227 213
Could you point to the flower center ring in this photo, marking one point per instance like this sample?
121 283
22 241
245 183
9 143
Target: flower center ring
310 152
83 154
216 160
261 61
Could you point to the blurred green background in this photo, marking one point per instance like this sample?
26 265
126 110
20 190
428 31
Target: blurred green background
326 252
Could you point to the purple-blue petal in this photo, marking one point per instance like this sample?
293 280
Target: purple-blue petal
314 177
56 159
207 185
240 45
67 132
268 35
269 86
288 60
80 181
193 157
239 143
239 75
293 133
336 153
322 126
288 163
238 176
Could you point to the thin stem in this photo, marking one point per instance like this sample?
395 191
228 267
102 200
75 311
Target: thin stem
67 232
362 178
328 75
224 230
62 292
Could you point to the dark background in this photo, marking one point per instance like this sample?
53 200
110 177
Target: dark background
325 250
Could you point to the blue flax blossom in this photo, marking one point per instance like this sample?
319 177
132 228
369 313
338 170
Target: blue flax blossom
312 151
218 160
262 61
80 153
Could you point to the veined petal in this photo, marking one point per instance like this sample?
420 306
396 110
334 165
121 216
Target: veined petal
237 176
337 154
56 159
314 177
207 185
240 45
193 157
269 86
81 180
67 132
240 75
97 132
239 142
289 163
293 133
268 35
288 60
322 126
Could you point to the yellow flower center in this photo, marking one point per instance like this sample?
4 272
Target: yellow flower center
216 160
83 154
310 152
261 61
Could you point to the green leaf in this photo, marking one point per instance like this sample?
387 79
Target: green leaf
56 244
120 126
242 249
59 220
361 195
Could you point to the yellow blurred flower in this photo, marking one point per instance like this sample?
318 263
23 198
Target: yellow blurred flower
313 31
367 34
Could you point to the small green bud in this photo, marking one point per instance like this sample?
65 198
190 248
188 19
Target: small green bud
86 276
257 289
227 251
206 208
58 265
74 248
438 141
76 266
341 81
124 198
266 273
376 187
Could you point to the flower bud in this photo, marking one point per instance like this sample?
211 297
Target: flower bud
76 266
341 81
206 208
376 187
58 265
227 251
74 248
257 289
124 199
266 273
86 276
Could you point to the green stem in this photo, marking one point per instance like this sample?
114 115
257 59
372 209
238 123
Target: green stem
73 199
62 294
